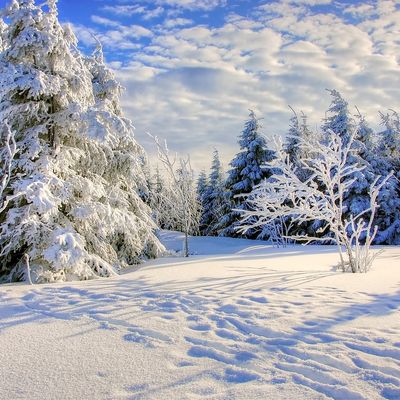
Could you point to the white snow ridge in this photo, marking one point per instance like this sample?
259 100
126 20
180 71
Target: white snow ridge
238 320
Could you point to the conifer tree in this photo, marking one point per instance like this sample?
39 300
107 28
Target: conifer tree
386 159
343 124
202 186
159 205
358 197
294 148
298 134
213 198
78 169
247 171
339 119
292 144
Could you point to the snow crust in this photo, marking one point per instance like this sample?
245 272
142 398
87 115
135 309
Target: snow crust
238 320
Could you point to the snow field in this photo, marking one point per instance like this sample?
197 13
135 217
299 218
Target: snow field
239 320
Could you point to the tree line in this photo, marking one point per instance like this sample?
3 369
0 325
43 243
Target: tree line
361 158
78 199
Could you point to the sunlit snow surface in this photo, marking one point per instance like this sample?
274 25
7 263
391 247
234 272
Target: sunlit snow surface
238 320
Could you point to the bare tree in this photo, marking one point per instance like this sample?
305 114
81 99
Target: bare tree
181 207
320 197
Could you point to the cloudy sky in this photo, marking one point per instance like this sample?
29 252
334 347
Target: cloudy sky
193 68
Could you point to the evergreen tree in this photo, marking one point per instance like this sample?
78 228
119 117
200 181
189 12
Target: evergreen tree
157 181
358 197
339 119
157 203
78 170
248 169
213 198
386 159
343 124
292 144
202 186
297 134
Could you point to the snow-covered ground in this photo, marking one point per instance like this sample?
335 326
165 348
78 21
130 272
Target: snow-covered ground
239 320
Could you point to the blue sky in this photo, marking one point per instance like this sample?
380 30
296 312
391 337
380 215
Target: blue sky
193 68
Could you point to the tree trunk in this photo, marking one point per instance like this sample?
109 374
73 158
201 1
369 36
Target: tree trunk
186 245
352 261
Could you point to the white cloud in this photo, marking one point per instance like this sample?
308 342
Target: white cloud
121 37
104 21
153 13
192 4
177 22
360 10
125 10
193 85
131 7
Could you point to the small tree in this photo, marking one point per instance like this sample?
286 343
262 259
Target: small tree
320 197
180 196
202 188
202 184
213 198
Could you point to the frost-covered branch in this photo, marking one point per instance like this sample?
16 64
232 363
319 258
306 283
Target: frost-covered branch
320 197
8 151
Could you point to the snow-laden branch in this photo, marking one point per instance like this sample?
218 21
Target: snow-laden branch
320 197
8 151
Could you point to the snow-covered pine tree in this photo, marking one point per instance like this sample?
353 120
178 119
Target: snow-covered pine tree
363 154
339 119
107 92
387 158
202 185
342 123
213 198
157 184
292 145
78 168
297 134
246 172
294 148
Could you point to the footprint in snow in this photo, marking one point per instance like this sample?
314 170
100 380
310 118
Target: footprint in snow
200 327
146 337
239 376
259 299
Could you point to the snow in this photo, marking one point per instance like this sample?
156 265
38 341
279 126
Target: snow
238 320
